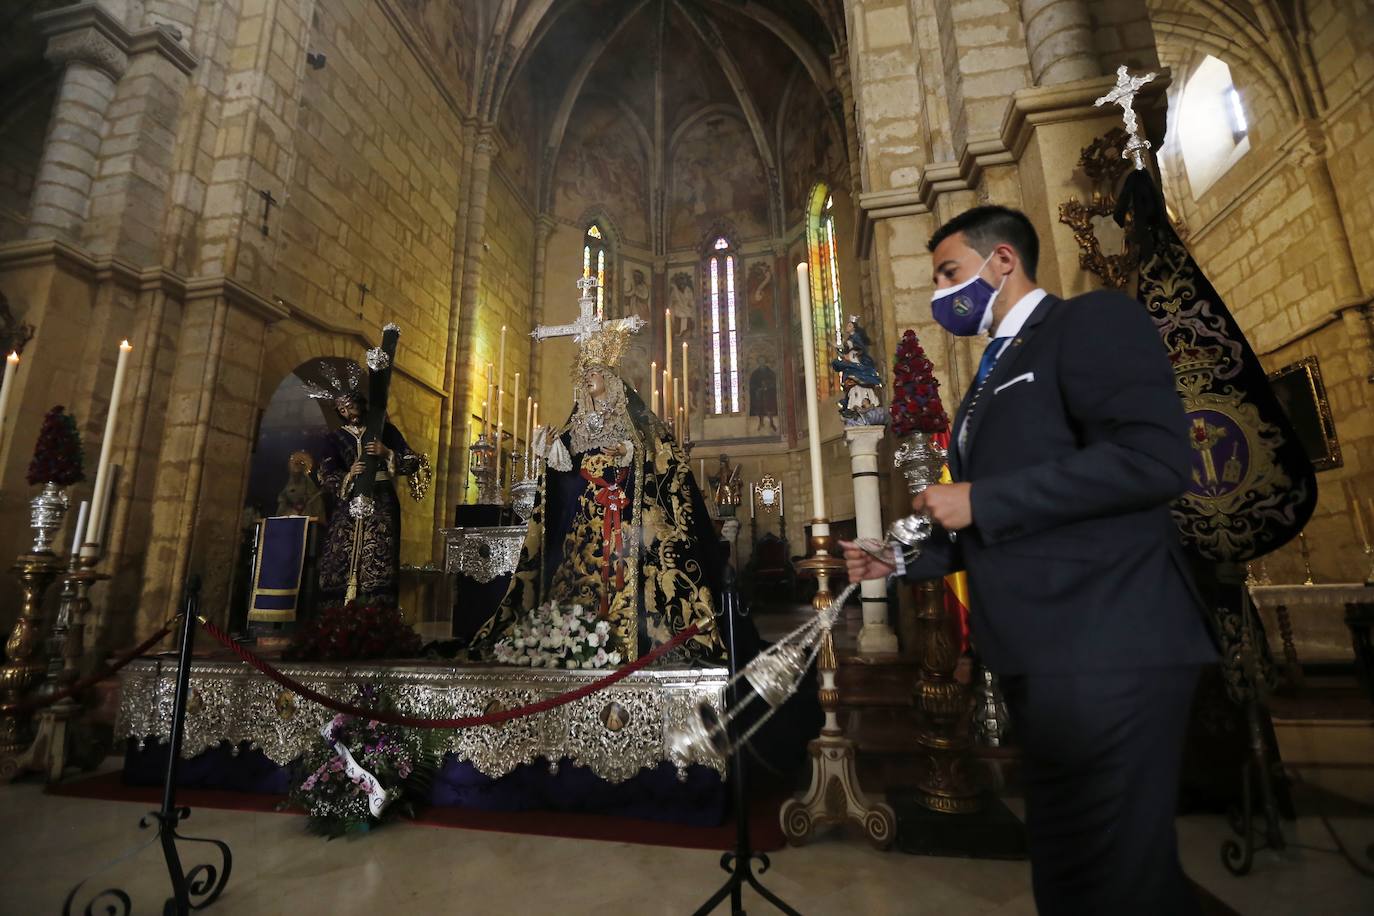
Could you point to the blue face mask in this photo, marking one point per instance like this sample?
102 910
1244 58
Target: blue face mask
966 309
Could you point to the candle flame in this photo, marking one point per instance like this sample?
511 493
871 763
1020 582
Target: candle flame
13 357
124 344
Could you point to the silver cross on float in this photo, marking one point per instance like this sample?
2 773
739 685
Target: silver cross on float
587 322
1123 94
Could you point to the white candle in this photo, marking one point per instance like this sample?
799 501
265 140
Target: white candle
501 364
686 396
11 364
514 421
668 402
813 421
486 405
100 500
529 434
534 424
80 530
653 387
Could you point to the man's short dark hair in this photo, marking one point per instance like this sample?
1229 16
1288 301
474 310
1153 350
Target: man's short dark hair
989 226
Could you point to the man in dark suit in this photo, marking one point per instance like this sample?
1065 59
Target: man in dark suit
1066 452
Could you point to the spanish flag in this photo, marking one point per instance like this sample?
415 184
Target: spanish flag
956 584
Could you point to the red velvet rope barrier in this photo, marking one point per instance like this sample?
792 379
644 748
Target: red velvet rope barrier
39 702
391 718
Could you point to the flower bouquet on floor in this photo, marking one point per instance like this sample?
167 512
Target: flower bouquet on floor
362 773
560 636
355 631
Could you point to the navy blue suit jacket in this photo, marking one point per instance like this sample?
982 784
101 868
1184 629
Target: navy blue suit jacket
1076 448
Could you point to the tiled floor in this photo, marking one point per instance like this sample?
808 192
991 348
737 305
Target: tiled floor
47 843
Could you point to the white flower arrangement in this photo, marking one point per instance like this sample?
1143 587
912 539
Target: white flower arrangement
559 637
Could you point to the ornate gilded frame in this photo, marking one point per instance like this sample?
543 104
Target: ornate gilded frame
1302 395
767 495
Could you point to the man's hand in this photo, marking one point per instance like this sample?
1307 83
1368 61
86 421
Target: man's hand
949 504
863 565
357 468
376 448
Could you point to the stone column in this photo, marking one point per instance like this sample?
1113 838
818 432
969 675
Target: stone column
1309 151
484 148
876 636
93 64
543 228
1059 41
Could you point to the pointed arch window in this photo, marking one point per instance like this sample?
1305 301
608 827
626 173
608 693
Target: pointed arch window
724 329
594 264
827 310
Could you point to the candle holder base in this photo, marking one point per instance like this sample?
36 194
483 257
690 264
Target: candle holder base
834 795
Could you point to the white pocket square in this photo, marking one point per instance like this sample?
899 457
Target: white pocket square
1023 377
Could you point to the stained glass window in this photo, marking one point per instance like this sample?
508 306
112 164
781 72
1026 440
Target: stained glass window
827 311
724 329
594 264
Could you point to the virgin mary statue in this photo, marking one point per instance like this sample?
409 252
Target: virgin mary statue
619 528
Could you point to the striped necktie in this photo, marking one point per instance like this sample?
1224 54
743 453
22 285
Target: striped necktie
985 366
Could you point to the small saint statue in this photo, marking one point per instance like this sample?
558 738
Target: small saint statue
726 488
301 495
859 403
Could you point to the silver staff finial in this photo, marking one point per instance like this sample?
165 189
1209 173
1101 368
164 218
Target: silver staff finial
1123 94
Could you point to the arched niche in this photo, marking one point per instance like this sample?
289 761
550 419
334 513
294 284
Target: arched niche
292 421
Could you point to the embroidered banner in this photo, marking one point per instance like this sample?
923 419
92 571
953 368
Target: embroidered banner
1253 487
277 583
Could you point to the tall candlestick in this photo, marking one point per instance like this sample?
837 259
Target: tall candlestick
653 388
11 365
666 416
99 498
1353 502
813 421
80 530
535 425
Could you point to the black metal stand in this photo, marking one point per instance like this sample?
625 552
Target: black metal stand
738 863
1238 853
198 888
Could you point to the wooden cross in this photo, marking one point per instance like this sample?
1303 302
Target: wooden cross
1123 94
586 323
267 201
363 290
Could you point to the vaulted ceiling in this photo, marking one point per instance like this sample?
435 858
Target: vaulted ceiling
664 63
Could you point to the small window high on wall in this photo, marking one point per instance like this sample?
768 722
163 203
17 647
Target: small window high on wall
724 334
1213 129
594 264
826 308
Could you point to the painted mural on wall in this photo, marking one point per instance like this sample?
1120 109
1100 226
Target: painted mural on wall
517 157
452 34
716 173
682 303
635 291
811 151
601 163
758 298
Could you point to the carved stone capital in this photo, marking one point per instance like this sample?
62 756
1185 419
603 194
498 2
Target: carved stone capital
543 227
486 143
1308 144
88 33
